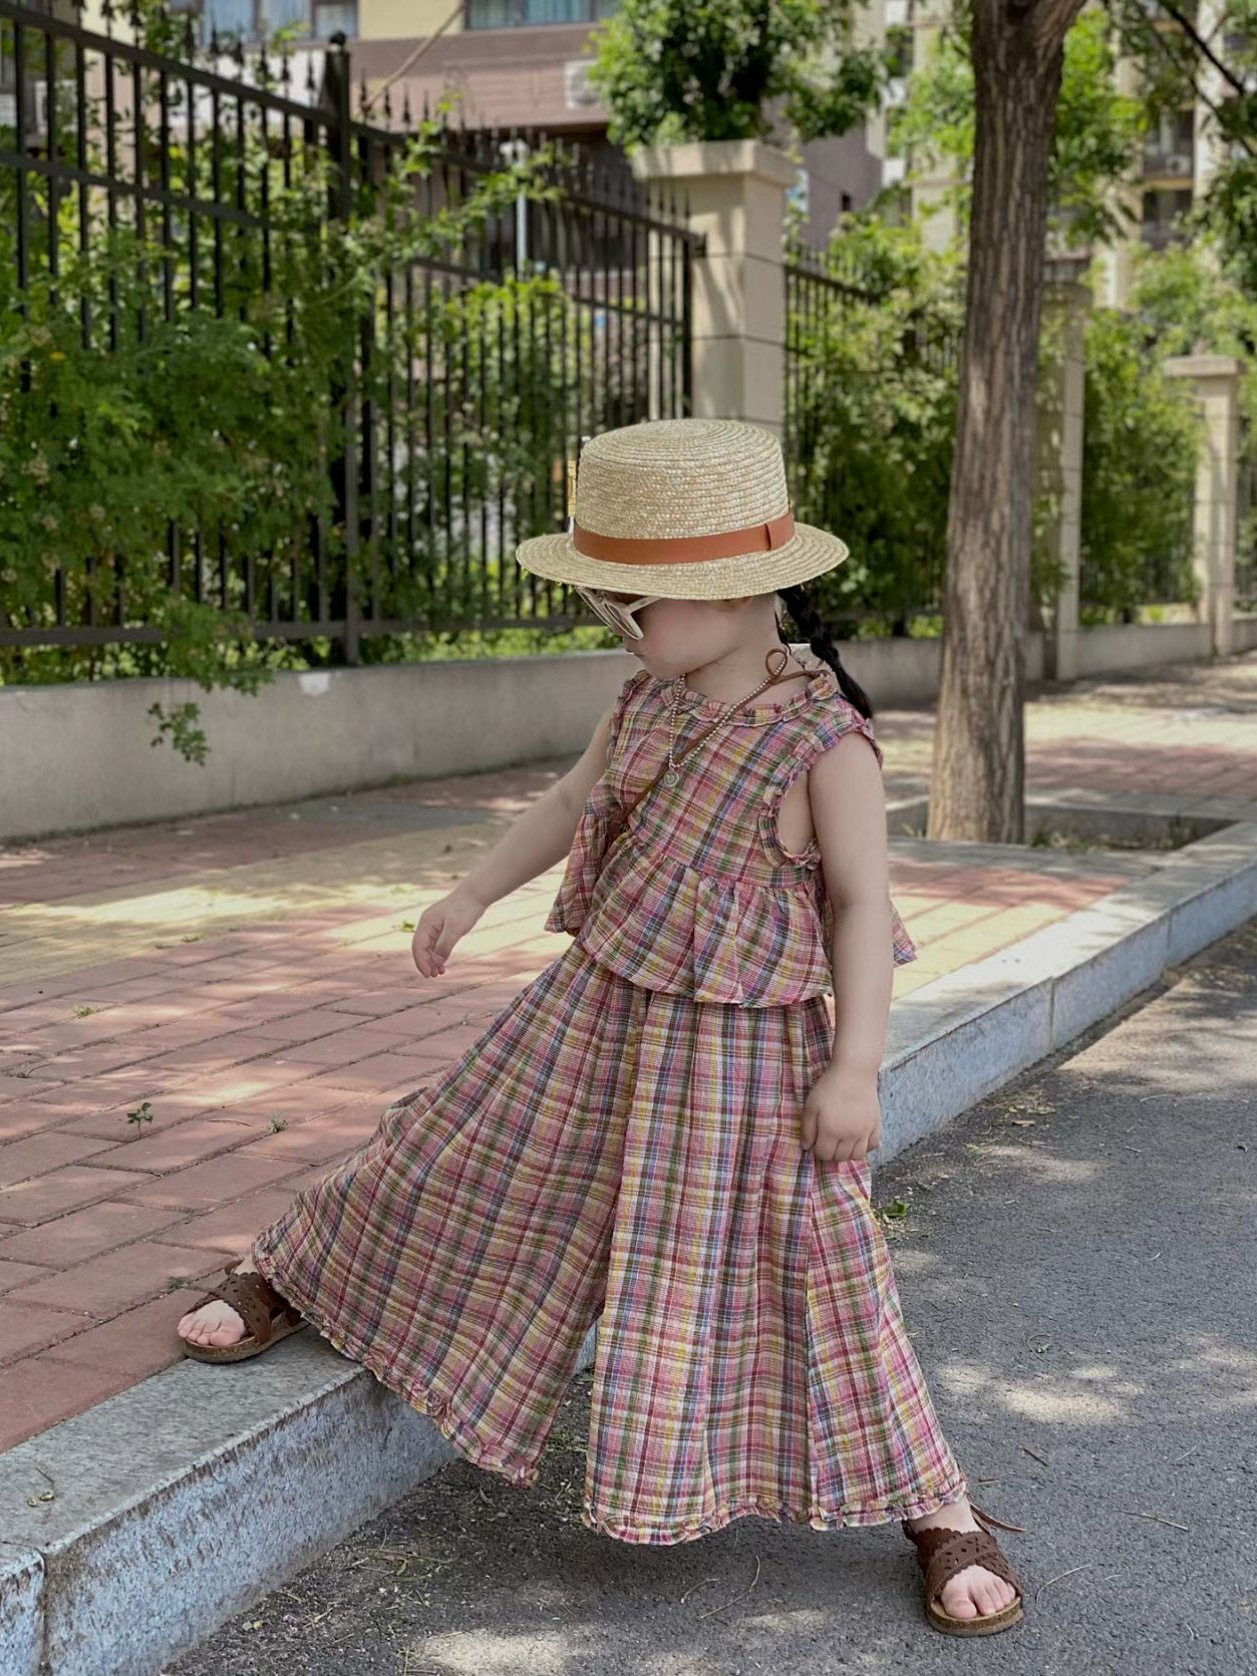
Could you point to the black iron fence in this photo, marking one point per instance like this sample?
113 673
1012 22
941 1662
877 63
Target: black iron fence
315 374
870 404
1162 576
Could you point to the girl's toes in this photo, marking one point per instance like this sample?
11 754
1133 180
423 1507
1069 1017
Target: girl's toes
957 1599
995 1593
975 1592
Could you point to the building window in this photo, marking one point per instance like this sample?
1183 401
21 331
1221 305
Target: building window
797 194
517 14
252 19
1162 210
329 17
1170 149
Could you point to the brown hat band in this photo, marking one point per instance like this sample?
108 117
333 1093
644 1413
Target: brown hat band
684 549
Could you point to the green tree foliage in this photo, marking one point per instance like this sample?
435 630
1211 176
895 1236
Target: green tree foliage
671 70
1139 473
872 418
1231 207
1141 433
1195 299
1209 60
1097 138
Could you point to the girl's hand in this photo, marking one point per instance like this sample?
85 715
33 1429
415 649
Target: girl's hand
842 1117
439 927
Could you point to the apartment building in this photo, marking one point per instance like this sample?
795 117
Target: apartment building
1179 157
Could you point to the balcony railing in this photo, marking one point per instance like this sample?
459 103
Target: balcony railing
1159 235
1178 160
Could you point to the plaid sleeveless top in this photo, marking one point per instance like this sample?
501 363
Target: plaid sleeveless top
696 895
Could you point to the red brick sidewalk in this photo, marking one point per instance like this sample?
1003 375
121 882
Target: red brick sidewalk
247 980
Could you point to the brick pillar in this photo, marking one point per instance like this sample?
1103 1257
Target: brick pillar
737 197
1215 380
1061 417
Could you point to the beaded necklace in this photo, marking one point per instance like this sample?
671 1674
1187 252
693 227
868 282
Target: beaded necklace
670 776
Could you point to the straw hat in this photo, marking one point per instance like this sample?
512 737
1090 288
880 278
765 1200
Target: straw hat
685 509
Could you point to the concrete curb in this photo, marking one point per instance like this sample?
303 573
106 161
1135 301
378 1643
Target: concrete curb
957 1039
178 1503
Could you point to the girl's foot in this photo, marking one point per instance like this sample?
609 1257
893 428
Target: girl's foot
975 1591
216 1322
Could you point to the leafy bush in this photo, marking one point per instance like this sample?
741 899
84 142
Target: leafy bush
872 418
1139 474
215 434
1196 300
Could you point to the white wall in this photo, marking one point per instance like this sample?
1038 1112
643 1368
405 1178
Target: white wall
79 756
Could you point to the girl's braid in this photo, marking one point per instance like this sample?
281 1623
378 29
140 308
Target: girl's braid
804 613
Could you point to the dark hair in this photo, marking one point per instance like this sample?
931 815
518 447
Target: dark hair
808 620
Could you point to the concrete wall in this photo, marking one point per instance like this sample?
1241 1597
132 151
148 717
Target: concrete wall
79 756
415 18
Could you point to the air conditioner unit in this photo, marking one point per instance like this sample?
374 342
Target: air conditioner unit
1178 164
576 87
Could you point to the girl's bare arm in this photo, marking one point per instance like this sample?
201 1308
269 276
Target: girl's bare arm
848 806
542 836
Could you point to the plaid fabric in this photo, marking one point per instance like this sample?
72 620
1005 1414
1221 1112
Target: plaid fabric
695 894
606 1151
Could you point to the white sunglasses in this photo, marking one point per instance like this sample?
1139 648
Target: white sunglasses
617 614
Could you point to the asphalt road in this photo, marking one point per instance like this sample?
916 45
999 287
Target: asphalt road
1077 1258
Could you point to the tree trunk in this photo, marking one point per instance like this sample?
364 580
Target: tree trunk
978 772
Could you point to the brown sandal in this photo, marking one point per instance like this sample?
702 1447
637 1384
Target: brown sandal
941 1553
267 1317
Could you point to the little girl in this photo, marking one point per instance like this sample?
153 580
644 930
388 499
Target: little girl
664 1131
